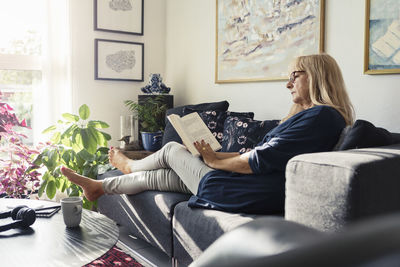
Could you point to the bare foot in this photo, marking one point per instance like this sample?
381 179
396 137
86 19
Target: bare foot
92 189
119 160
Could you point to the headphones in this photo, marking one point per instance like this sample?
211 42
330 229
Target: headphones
23 216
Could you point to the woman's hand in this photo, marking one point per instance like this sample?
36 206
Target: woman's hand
205 150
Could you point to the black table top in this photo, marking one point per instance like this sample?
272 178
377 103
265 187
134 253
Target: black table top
48 242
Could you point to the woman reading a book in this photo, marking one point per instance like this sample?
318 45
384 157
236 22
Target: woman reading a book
252 182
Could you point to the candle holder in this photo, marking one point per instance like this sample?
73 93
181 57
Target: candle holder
128 131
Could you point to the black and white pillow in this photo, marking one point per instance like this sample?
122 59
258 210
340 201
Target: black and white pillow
215 120
243 134
171 135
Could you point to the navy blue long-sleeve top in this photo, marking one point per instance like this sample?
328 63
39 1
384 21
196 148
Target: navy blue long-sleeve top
263 192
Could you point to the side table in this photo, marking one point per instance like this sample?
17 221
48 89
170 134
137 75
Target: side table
48 242
139 154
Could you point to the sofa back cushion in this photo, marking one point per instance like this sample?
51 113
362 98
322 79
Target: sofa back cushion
364 134
171 135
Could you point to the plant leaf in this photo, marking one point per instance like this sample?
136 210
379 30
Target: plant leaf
88 143
56 138
67 133
42 187
65 185
98 124
85 155
49 129
93 134
70 117
106 136
51 189
84 112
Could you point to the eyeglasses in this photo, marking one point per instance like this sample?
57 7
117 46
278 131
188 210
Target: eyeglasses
293 76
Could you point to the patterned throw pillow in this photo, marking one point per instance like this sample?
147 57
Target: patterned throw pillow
171 135
243 134
215 119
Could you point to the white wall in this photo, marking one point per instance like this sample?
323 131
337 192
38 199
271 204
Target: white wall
105 98
190 65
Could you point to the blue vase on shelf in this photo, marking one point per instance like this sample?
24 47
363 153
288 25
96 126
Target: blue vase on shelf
152 141
155 86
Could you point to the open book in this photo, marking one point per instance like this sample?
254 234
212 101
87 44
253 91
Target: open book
192 128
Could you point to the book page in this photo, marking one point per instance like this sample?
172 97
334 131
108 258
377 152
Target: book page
192 128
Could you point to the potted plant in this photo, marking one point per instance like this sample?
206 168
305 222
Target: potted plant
79 144
151 115
17 178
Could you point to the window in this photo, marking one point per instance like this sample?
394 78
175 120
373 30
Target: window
31 33
21 25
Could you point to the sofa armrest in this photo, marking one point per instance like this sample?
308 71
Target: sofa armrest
328 190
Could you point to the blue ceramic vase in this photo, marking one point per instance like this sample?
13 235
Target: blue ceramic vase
152 141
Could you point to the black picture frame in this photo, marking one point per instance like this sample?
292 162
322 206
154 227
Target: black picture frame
118 60
122 17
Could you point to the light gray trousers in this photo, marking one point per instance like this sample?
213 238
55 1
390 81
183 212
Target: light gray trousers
172 168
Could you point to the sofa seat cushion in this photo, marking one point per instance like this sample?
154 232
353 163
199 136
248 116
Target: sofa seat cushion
147 215
256 240
196 229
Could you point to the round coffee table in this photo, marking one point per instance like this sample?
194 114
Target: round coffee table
48 242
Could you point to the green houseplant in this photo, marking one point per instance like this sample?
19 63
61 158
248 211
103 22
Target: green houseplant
151 115
79 144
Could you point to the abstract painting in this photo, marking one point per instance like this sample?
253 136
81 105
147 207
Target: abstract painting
256 40
382 37
118 60
119 16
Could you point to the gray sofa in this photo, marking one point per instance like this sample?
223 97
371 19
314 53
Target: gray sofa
324 191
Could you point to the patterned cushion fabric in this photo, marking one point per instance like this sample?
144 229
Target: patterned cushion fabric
243 134
215 119
169 132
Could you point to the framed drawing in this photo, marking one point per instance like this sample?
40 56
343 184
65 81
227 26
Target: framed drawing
118 60
119 16
382 37
256 40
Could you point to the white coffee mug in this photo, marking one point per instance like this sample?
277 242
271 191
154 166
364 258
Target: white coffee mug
72 211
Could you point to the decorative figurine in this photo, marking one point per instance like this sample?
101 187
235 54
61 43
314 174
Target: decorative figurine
130 146
155 85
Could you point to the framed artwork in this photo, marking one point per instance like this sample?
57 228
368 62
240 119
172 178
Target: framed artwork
119 16
382 37
256 40
118 60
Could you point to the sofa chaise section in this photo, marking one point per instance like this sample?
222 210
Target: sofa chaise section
147 215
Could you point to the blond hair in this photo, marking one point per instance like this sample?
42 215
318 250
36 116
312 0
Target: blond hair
326 85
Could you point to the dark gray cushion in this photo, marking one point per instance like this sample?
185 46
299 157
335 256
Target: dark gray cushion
396 138
196 229
171 135
364 134
257 239
147 215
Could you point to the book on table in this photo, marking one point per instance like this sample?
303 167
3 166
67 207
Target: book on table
192 128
